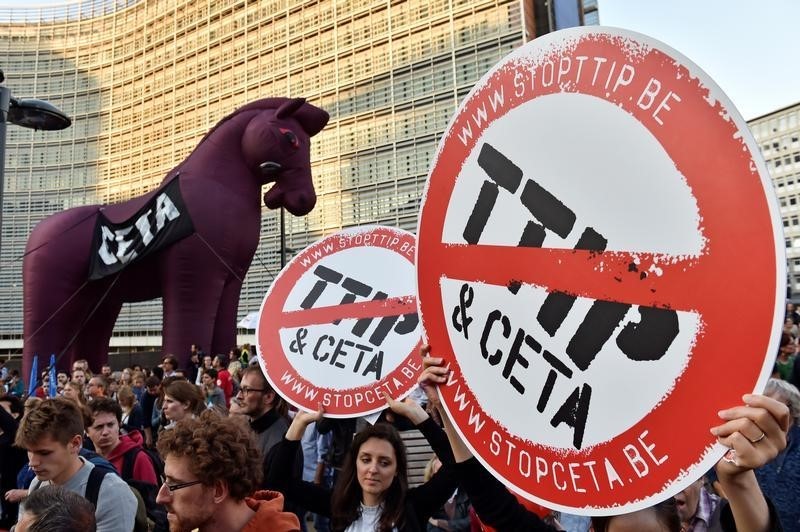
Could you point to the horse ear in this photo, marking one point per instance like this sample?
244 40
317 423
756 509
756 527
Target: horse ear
288 108
311 118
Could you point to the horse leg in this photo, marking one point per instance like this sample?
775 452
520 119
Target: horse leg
93 340
191 291
55 295
225 324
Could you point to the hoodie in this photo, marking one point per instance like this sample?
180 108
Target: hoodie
268 506
143 470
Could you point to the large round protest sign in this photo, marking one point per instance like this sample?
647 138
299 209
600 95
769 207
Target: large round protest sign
601 263
339 325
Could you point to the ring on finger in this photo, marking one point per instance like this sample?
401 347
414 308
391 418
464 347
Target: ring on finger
763 435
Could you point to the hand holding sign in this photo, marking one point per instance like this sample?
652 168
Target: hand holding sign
755 433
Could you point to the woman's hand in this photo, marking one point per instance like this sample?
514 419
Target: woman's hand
755 432
408 408
302 420
433 374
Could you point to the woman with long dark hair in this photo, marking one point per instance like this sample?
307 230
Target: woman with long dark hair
371 492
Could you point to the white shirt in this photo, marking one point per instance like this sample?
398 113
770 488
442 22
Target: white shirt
368 522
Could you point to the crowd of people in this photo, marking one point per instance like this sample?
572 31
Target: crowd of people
212 447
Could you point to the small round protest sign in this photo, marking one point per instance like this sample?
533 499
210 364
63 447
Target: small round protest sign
339 325
600 262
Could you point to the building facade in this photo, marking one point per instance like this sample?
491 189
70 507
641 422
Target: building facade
778 136
143 80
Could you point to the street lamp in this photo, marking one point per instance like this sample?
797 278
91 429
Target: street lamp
30 113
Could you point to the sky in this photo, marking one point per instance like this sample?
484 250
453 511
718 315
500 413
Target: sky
748 47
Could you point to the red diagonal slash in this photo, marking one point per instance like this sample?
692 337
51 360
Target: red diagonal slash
392 306
611 276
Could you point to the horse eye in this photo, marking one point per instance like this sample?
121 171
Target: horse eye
291 137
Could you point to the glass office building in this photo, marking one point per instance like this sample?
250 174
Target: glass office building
144 80
778 136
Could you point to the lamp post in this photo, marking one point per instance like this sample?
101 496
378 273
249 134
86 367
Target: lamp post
283 239
30 113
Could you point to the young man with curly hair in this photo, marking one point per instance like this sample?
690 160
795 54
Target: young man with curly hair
212 466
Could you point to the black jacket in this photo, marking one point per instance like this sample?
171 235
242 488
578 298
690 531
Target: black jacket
421 502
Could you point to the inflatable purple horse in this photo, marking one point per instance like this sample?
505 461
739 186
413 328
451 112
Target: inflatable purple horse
189 242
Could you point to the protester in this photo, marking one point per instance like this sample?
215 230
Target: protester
791 313
214 396
57 509
43 389
97 387
786 357
454 516
315 448
208 363
169 365
104 432
132 416
220 363
149 397
181 399
235 371
79 376
341 431
61 381
265 408
52 433
74 392
14 385
137 381
13 458
83 365
212 466
372 492
193 370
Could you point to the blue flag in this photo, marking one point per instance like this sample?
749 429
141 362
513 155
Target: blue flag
34 378
53 388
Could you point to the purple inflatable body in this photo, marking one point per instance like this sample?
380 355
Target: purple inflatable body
200 276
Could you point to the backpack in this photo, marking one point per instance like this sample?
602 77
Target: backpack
97 460
141 522
129 459
155 513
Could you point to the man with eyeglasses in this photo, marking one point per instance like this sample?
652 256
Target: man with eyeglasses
265 408
211 464
97 387
169 365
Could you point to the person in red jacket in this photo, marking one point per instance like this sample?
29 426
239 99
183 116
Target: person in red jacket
113 446
224 377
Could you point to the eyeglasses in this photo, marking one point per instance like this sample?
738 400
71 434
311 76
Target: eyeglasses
172 488
246 389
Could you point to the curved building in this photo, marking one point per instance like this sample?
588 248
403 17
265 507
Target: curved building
144 80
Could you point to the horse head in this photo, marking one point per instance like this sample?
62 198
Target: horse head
276 147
